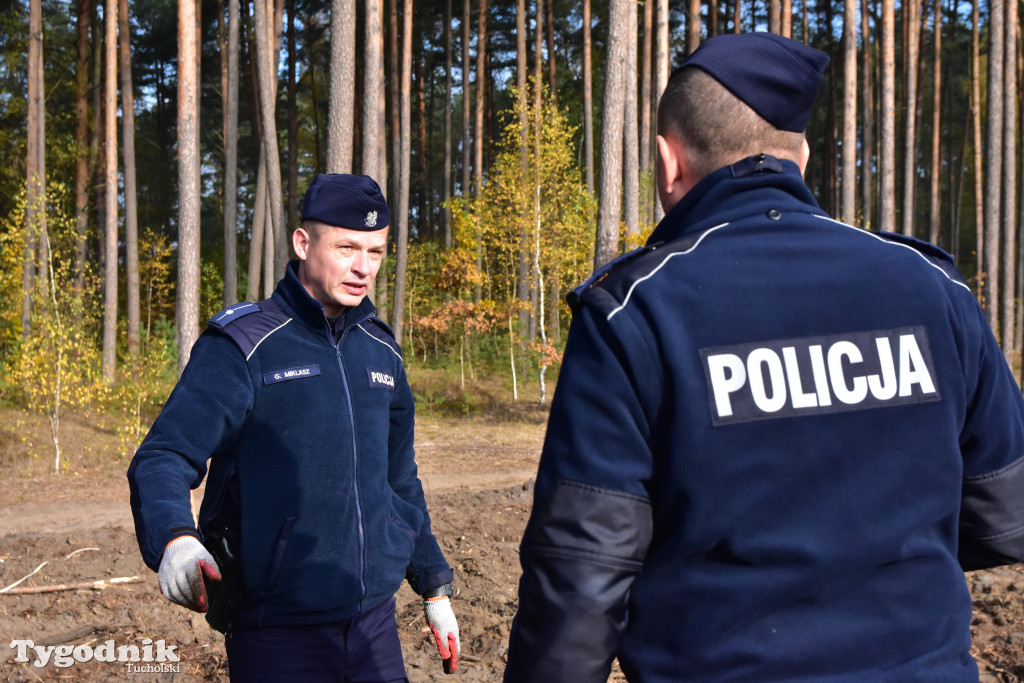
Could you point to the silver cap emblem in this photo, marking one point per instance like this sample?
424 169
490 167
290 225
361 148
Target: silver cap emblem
371 220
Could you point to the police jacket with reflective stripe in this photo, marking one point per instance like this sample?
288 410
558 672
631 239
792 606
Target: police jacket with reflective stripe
312 470
775 444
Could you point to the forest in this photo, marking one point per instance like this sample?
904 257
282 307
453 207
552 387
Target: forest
154 156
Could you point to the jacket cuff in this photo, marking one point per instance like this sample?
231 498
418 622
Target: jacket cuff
424 584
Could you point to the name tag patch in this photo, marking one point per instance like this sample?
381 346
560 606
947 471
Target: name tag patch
292 373
379 378
814 375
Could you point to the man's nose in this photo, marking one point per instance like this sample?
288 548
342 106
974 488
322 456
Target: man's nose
361 263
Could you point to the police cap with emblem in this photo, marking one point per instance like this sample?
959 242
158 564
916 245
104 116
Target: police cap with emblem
346 201
775 76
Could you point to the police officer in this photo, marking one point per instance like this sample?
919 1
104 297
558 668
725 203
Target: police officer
302 406
777 440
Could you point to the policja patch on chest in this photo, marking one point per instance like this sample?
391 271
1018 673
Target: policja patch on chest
814 375
379 378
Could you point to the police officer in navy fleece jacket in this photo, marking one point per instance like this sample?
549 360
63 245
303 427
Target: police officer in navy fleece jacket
302 406
777 440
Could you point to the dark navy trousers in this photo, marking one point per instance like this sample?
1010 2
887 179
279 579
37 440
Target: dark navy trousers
364 649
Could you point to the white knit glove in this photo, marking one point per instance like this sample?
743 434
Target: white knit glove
441 620
184 568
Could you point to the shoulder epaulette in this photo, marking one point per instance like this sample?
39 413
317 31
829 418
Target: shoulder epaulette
379 330
247 329
573 297
936 255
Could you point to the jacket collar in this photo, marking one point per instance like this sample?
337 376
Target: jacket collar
297 301
715 199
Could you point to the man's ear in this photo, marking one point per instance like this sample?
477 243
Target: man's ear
300 243
674 175
805 155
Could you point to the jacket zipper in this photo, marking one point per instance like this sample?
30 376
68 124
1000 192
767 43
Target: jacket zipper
355 474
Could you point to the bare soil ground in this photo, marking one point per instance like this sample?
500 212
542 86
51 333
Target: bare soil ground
477 473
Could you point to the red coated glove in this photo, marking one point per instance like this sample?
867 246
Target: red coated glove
184 569
441 620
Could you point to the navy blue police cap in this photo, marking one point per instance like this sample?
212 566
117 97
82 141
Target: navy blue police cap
346 201
775 76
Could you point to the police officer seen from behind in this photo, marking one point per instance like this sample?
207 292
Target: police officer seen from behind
777 440
313 512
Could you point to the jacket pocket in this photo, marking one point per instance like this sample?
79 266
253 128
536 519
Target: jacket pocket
279 550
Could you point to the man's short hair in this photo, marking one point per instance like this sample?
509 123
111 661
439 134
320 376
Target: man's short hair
716 126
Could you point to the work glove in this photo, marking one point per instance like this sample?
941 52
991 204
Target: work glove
441 620
184 568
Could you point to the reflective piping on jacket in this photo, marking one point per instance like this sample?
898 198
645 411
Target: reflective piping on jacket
659 266
360 326
897 244
265 336
355 474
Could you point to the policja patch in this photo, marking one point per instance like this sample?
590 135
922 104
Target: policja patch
814 375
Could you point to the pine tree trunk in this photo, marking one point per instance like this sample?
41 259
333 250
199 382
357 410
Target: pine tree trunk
993 162
887 153
446 214
188 184
692 26
1009 193
291 198
523 260
647 103
630 141
131 213
374 141
266 68
663 67
35 173
466 122
868 118
110 191
934 204
606 245
343 79
81 153
848 211
231 160
401 216
478 141
913 32
588 99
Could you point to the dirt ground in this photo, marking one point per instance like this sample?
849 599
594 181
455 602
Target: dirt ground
477 474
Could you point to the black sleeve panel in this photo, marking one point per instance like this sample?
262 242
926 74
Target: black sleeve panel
991 529
582 550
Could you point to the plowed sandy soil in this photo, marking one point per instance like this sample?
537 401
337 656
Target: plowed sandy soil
477 473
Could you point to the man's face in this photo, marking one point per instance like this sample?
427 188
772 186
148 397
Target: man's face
337 265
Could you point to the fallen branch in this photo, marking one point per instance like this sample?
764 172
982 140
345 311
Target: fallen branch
79 633
5 590
80 550
99 584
